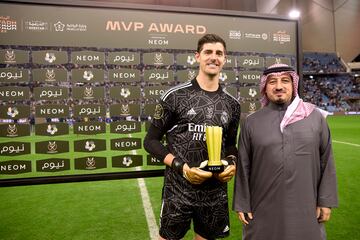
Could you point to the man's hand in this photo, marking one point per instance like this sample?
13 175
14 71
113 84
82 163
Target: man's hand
323 214
195 175
229 171
242 217
227 174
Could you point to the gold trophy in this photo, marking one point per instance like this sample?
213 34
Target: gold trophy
214 142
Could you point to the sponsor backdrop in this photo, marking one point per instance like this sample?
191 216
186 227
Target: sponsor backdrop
78 85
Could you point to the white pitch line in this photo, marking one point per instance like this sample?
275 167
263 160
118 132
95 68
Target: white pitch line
149 213
351 144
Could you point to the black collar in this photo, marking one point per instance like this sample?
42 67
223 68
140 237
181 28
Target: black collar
197 87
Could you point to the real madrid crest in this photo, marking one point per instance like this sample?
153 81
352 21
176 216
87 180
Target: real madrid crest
224 117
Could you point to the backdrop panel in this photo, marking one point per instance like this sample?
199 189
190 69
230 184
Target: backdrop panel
79 84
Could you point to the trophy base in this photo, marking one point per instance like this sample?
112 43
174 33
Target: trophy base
214 169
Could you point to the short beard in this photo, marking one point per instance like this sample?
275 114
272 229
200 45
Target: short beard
280 101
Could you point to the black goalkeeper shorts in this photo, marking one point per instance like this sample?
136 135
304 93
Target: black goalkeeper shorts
208 209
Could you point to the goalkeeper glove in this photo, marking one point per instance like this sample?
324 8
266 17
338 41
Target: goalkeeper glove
196 175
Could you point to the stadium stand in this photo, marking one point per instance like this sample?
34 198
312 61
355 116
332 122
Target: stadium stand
328 85
315 62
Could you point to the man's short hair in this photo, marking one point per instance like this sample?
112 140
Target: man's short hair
210 38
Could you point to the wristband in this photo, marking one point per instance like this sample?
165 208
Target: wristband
178 165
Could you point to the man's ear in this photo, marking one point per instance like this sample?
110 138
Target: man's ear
197 56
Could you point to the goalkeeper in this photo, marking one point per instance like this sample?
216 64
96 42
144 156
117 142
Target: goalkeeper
191 193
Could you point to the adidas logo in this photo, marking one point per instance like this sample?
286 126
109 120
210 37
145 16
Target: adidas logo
191 112
226 229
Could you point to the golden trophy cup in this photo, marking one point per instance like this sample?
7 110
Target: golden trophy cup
213 143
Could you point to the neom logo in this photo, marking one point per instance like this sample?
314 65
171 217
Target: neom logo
15 167
11 93
125 127
125 143
52 165
53 111
89 128
14 148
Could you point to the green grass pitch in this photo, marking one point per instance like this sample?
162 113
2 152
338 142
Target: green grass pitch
113 209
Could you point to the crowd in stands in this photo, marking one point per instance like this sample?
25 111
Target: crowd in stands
327 85
322 63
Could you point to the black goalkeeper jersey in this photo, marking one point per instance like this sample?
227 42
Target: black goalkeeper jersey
183 113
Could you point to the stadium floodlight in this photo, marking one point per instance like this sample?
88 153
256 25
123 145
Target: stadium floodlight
311 76
294 13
